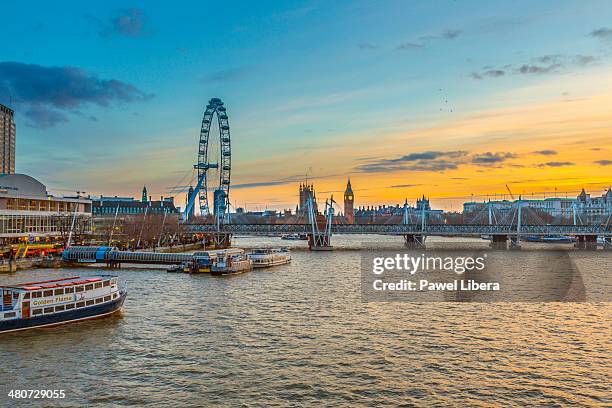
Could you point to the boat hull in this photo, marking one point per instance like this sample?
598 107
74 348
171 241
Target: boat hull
278 262
72 316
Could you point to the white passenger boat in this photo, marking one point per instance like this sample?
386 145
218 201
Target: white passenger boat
58 301
267 257
229 262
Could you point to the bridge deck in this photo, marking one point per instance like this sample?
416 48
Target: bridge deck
402 229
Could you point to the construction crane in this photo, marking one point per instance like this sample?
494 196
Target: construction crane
511 195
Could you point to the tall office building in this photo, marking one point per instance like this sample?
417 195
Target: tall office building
7 140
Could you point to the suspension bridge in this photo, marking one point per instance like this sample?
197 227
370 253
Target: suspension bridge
503 226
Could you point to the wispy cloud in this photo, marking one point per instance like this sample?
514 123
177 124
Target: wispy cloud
127 22
556 164
603 33
491 158
43 118
435 161
48 93
409 46
537 66
604 162
546 152
404 185
425 40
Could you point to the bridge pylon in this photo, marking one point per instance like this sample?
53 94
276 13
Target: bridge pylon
412 241
319 239
220 240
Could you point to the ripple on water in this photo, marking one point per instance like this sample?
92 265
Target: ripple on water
300 334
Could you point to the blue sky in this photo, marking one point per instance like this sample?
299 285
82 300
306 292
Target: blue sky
311 87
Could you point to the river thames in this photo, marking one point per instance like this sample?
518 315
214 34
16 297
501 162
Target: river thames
300 334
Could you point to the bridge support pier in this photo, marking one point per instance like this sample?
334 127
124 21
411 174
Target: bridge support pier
515 243
499 242
221 240
319 242
607 242
414 241
586 242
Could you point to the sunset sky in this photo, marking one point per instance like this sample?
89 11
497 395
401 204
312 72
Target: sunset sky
448 98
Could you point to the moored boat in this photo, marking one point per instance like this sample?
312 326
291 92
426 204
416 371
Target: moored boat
267 257
230 262
295 237
549 239
58 301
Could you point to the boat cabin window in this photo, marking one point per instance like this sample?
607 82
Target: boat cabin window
98 285
58 292
106 283
15 295
48 310
89 302
47 293
89 287
79 288
36 312
26 296
36 295
80 304
9 315
70 306
69 290
60 308
106 298
98 300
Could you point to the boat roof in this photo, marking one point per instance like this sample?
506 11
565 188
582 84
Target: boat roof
215 252
56 283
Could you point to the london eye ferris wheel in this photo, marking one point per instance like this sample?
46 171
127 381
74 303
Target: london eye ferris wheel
214 163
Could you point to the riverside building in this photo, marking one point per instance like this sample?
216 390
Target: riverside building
29 213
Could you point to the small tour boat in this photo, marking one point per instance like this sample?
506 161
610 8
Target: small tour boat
180 268
203 260
295 237
229 262
58 301
267 257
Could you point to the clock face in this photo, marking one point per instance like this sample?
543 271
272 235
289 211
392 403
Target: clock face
349 197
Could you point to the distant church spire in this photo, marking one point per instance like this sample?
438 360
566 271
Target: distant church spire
144 194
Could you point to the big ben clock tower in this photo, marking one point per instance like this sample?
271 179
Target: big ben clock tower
349 200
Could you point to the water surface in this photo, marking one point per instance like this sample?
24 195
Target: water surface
300 334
